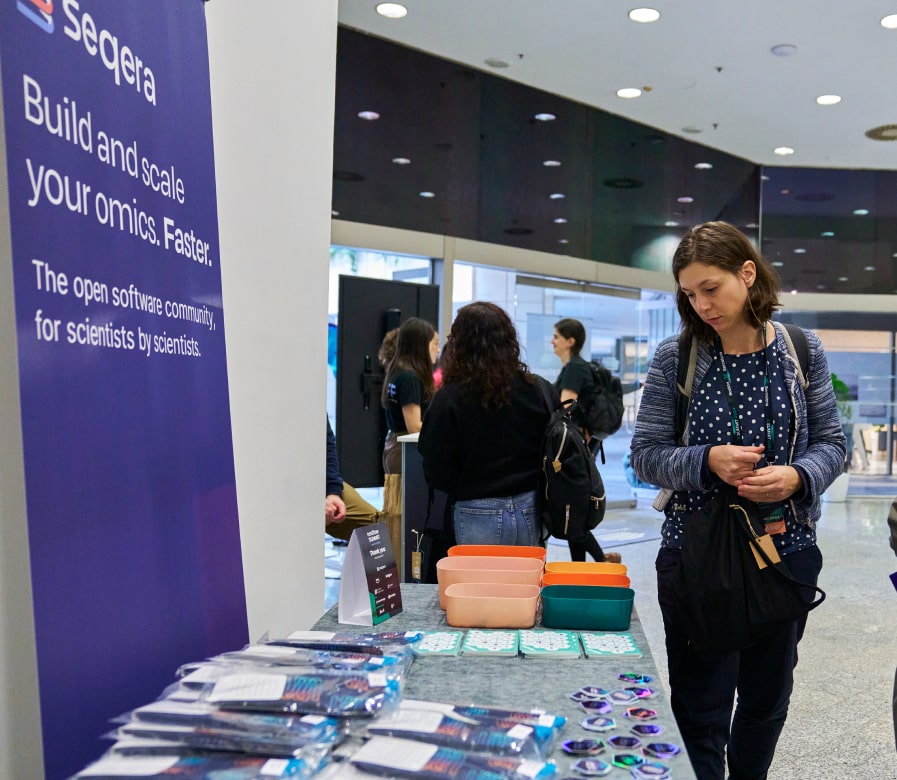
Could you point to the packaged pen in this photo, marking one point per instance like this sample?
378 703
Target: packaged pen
403 758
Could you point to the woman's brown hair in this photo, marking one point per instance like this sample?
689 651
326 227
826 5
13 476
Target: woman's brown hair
721 245
483 355
412 354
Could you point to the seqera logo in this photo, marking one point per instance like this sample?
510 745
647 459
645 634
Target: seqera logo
38 11
120 61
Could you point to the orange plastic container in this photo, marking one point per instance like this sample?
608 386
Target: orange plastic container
498 550
584 567
486 569
491 605
575 578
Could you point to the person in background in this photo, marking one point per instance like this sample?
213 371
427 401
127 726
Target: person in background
751 425
344 509
408 386
387 347
575 380
481 440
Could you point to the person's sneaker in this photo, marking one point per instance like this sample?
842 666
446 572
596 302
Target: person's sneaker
613 557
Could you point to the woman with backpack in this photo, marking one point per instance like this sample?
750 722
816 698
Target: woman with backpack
575 381
754 426
481 439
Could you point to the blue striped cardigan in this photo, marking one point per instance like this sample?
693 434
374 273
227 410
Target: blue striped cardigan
817 443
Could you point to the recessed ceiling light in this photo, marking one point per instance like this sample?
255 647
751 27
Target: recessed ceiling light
869 268
828 100
794 292
401 161
894 255
557 196
552 163
671 223
889 22
644 15
783 150
563 241
428 194
560 220
703 166
545 117
752 226
629 92
820 287
882 133
800 251
692 129
391 10
784 50
861 212
369 116
777 263
764 177
685 199
842 278
334 213
494 62
827 234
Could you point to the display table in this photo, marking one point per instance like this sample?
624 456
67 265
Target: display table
525 683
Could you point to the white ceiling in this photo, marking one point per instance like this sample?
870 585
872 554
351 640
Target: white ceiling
708 64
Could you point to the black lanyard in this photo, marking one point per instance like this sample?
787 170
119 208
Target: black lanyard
733 404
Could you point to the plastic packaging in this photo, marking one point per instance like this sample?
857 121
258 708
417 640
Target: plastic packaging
393 757
382 643
211 767
516 739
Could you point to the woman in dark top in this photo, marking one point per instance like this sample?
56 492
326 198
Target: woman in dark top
575 380
408 387
481 440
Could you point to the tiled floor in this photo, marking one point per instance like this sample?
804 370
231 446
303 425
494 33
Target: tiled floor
840 723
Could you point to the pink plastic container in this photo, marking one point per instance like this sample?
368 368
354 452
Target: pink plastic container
486 569
484 605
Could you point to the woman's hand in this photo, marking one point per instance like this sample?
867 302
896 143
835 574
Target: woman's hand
733 463
771 483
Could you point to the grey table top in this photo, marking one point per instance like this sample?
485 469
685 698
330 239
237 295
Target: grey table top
524 683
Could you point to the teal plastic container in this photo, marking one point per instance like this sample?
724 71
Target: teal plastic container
587 607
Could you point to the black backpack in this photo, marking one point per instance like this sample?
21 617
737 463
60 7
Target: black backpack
603 404
570 494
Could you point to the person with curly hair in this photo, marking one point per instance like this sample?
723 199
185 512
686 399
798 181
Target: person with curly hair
408 386
481 439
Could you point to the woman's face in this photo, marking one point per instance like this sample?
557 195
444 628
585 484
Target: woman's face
434 348
718 296
560 345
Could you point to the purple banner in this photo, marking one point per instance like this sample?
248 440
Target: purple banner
134 538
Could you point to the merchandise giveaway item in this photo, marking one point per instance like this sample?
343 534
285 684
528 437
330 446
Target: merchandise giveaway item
570 493
731 582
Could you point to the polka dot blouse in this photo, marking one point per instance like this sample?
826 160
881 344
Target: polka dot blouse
710 423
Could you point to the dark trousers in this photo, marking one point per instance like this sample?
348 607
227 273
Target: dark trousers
588 544
703 692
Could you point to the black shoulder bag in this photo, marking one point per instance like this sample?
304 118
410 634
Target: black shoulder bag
732 585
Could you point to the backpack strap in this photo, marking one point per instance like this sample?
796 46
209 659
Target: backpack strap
543 387
796 341
685 377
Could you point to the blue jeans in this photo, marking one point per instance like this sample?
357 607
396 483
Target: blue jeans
509 520
702 693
